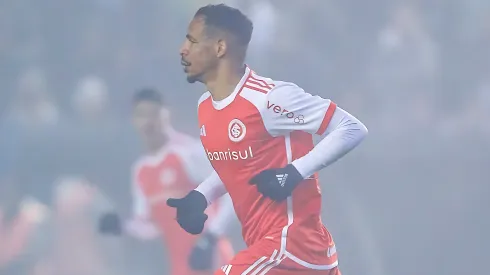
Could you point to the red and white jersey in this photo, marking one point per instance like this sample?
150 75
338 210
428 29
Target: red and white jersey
172 172
267 124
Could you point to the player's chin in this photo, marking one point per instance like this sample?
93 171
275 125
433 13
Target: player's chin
192 78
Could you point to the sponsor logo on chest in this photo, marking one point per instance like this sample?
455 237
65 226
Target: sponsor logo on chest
236 132
230 154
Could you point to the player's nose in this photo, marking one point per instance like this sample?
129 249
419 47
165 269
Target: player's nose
183 50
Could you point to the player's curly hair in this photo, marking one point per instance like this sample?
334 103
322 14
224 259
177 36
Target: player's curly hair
228 19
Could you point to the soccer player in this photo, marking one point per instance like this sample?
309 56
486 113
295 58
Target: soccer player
174 164
258 135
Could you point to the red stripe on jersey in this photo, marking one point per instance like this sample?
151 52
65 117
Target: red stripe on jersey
262 90
262 82
258 83
244 84
326 119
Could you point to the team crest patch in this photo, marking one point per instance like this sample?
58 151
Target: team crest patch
236 130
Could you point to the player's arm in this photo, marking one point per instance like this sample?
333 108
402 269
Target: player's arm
212 188
209 189
139 225
288 109
210 185
191 217
190 209
207 180
202 255
343 133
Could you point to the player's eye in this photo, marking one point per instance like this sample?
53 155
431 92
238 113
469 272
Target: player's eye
191 39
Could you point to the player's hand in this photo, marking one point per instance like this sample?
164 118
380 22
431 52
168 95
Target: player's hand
190 211
202 255
110 224
277 184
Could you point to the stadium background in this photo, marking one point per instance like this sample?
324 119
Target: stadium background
412 199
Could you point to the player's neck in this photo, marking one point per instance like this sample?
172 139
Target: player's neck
157 143
225 80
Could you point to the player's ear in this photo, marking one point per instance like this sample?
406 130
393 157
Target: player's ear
221 48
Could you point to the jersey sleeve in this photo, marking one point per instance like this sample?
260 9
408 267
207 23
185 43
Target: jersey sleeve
140 225
196 163
140 205
212 188
289 108
224 216
343 134
201 165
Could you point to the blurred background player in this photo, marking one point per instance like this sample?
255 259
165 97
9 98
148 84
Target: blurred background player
173 165
40 238
16 232
77 204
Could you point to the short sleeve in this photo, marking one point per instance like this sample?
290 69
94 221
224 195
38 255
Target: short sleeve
289 108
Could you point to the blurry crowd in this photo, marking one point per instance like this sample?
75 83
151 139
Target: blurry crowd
416 72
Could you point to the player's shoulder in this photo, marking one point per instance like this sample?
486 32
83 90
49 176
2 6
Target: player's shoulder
180 139
268 86
204 97
284 88
259 90
140 164
256 83
181 147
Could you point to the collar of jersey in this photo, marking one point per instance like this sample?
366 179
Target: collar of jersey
219 105
161 154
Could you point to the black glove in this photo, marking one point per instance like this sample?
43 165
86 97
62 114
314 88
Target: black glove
190 211
202 255
110 224
277 184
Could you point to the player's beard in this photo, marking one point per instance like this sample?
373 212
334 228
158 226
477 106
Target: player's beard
194 78
191 79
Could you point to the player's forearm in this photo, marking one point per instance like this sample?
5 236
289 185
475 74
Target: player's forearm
344 134
219 225
212 188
